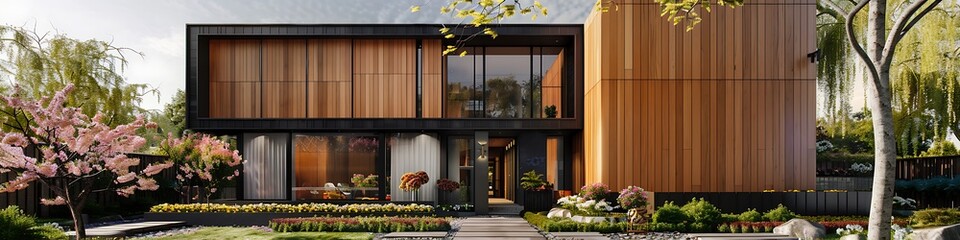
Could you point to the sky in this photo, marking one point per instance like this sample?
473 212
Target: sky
156 28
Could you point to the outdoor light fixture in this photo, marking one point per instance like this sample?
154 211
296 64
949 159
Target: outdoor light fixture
814 56
483 151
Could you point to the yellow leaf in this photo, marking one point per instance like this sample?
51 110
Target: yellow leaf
464 53
415 8
444 30
448 36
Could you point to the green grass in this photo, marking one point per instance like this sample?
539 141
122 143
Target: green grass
227 233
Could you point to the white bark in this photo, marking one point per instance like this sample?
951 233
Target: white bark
885 146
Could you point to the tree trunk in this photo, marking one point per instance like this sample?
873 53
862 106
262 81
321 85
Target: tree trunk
78 224
885 145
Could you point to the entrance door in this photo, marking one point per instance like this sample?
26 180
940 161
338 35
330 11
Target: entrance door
501 170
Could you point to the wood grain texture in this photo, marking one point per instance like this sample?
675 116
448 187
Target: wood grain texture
234 79
284 66
727 107
329 78
384 78
432 55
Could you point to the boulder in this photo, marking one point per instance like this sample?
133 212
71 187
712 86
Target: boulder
937 233
801 228
559 213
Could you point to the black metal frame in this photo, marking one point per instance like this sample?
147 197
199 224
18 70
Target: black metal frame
198 36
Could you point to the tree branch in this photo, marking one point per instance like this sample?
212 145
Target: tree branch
829 5
902 26
851 34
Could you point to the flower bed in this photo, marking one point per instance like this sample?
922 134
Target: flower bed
360 224
292 208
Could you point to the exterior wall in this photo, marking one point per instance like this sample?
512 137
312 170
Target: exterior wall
729 106
322 78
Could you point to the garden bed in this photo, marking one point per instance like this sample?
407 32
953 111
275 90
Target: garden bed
261 214
360 224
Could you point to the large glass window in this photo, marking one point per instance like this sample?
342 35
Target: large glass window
460 163
464 90
505 82
336 167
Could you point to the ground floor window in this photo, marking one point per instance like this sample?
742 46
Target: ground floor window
336 167
265 170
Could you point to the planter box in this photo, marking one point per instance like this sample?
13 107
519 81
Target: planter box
538 201
249 219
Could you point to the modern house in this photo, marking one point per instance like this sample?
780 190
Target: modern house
727 107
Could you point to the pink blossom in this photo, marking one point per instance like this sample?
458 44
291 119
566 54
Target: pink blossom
47 169
147 184
154 169
126 177
56 201
15 139
126 191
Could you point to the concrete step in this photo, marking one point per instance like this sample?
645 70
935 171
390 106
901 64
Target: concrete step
405 235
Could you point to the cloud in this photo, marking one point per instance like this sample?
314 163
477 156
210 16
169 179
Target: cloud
156 28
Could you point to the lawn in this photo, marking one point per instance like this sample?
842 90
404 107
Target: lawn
217 233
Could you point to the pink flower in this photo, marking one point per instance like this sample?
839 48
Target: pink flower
56 201
15 139
126 191
126 177
147 184
47 169
154 169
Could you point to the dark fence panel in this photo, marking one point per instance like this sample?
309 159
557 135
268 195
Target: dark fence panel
928 167
803 203
105 201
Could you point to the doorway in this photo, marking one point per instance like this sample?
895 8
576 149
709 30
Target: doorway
502 171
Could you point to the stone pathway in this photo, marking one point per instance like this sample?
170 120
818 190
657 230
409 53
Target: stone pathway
501 228
128 229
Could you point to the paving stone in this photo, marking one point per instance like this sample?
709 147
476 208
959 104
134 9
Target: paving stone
416 234
576 234
473 228
125 229
498 234
500 238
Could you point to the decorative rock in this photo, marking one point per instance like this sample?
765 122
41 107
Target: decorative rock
938 233
801 228
559 213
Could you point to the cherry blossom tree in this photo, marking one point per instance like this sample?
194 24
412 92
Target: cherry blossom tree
202 160
76 154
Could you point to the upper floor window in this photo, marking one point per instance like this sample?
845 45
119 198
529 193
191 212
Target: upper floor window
505 82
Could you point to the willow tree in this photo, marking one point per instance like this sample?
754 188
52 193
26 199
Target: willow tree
42 64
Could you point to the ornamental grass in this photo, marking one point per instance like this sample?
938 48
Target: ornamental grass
363 208
360 224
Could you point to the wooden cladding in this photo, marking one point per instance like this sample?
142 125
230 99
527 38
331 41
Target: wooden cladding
322 78
384 83
432 51
727 107
553 85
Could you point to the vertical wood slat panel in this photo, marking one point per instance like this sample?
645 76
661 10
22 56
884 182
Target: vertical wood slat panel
384 84
741 114
284 78
329 78
432 55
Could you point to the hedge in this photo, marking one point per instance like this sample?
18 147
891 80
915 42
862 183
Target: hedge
360 224
566 225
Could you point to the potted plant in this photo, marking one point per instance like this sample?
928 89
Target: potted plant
634 199
538 192
411 182
550 111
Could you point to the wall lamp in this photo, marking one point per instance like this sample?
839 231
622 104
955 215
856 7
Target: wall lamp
483 151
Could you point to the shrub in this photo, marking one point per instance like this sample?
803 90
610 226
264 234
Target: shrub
16 225
751 215
780 213
724 227
632 197
734 227
596 191
360 224
567 225
729 218
935 217
669 213
701 211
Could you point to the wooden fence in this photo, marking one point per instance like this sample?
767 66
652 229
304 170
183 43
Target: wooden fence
928 167
107 201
